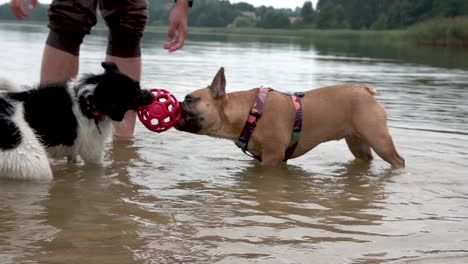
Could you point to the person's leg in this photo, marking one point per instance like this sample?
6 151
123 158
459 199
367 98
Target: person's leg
58 65
69 22
132 67
126 23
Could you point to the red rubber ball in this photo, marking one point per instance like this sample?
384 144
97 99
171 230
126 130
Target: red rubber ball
162 114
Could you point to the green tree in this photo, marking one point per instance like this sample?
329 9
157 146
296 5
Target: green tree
355 14
307 13
331 16
260 11
159 11
361 13
358 13
242 22
450 8
212 13
404 13
274 19
243 6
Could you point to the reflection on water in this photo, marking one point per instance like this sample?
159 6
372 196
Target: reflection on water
181 198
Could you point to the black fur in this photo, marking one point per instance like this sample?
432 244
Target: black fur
113 96
48 110
10 137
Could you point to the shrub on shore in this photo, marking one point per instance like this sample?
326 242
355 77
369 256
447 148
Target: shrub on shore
440 32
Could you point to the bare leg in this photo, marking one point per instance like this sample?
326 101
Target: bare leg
58 65
131 67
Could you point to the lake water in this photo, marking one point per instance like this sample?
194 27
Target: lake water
180 198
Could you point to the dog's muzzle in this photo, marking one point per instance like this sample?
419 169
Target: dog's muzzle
190 121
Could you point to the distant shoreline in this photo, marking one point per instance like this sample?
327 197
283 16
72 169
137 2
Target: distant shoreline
252 30
421 34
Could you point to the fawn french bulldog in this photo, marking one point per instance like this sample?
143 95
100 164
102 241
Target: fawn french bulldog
273 126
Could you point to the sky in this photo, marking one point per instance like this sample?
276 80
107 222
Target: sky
275 3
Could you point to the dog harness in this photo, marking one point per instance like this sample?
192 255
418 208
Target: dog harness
256 113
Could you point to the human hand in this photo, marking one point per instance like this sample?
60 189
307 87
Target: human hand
18 10
177 26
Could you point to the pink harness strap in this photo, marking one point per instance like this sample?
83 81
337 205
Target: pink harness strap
256 113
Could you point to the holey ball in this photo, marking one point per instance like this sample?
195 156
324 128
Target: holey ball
162 114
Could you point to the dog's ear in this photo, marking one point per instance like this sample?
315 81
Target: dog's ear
109 66
218 86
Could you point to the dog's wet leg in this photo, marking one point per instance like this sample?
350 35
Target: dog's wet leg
359 148
22 166
382 144
272 158
373 129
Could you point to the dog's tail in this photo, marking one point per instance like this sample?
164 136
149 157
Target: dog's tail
372 91
8 86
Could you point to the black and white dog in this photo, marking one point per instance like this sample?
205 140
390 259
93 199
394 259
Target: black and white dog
67 119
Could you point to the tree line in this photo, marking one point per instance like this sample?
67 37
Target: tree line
383 14
328 14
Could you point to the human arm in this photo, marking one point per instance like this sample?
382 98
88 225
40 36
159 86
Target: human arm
18 10
177 31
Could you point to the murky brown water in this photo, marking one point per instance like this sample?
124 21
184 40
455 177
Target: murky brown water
180 198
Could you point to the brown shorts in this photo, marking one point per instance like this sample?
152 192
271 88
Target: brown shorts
71 20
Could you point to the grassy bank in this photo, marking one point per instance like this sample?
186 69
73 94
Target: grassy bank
435 32
440 32
340 33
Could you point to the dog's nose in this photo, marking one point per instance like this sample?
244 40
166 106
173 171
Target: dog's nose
184 107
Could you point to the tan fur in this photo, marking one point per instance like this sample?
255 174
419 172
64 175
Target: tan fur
346 111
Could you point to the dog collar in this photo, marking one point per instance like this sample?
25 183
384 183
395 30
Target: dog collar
256 113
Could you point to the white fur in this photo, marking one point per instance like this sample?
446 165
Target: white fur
90 142
30 160
7 85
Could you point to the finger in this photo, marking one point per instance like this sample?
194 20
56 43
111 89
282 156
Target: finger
171 33
32 4
16 13
13 8
17 9
180 42
177 46
171 41
23 12
169 45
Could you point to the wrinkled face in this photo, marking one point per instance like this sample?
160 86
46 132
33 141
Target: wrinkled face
116 93
202 110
